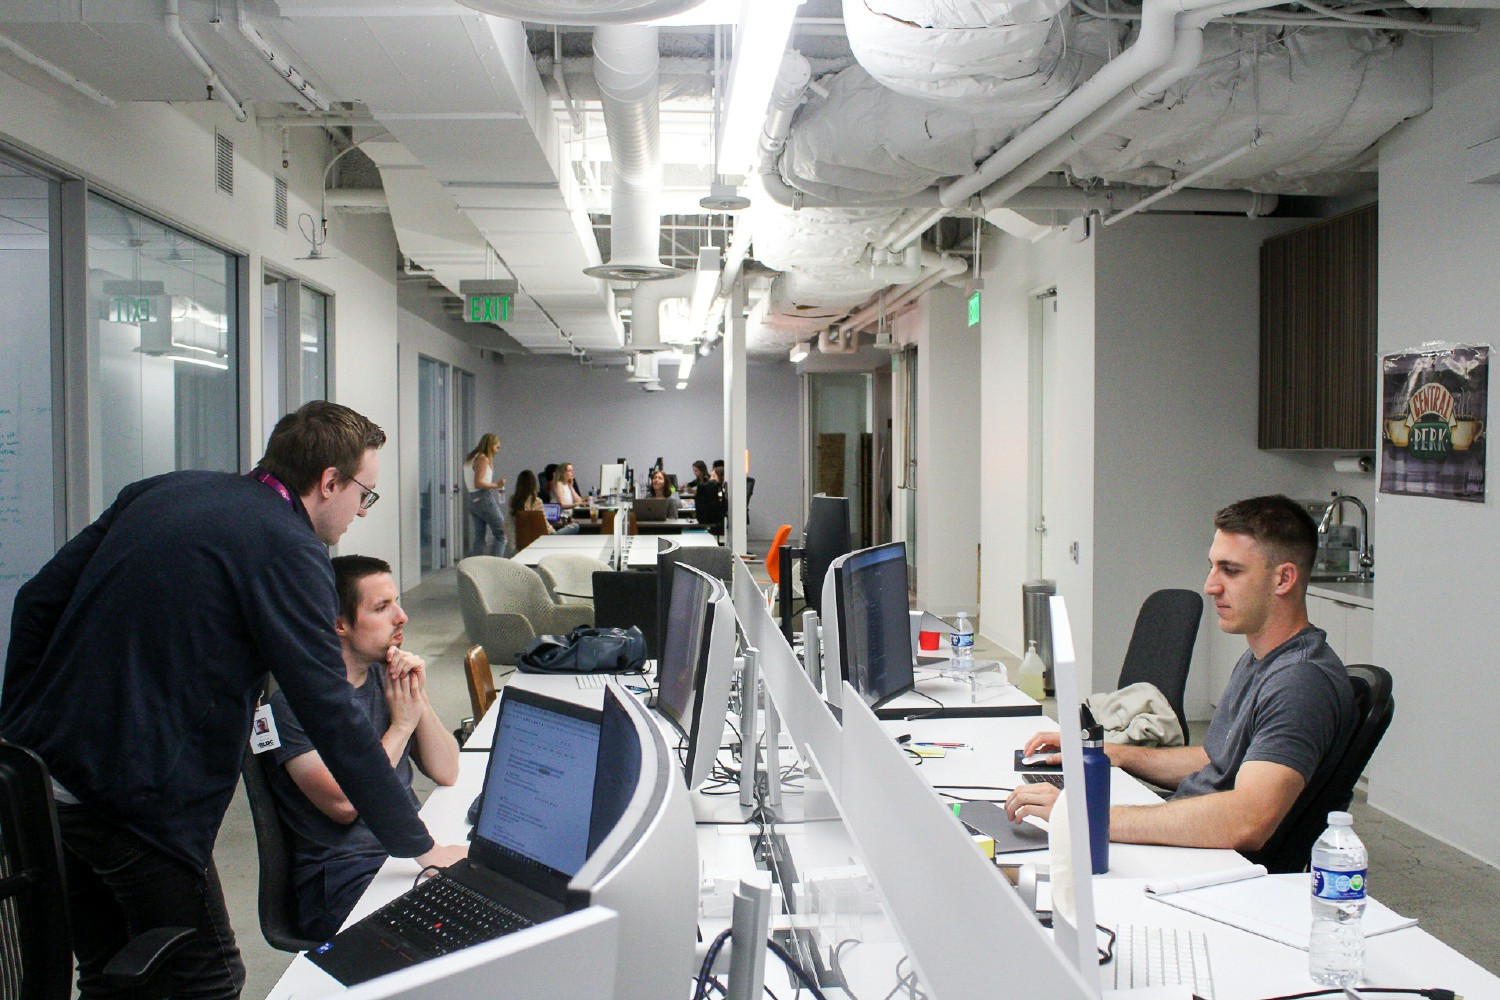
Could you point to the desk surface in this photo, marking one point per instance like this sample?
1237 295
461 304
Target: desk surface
640 550
1245 966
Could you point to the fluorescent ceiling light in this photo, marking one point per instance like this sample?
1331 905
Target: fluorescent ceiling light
1016 224
682 383
685 365
799 353
759 42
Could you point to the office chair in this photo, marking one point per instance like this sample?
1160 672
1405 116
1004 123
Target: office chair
607 523
1290 847
276 902
36 954
625 598
481 681
530 525
569 576
505 605
709 507
1161 647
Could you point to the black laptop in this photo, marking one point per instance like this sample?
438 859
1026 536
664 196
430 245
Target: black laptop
532 836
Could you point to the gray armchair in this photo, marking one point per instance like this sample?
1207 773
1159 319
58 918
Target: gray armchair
505 605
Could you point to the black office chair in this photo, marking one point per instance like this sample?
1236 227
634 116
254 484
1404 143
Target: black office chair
277 901
709 508
628 597
36 954
1290 847
1161 647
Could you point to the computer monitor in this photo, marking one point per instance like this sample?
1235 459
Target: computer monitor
611 478
621 533
825 538
874 622
696 669
646 866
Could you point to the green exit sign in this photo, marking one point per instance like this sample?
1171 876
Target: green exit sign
134 309
486 308
974 309
488 300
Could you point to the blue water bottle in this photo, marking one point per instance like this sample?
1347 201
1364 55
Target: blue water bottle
1096 788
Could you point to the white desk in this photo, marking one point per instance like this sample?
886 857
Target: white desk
640 550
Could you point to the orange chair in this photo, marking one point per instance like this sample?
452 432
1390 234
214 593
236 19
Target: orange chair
773 557
481 681
607 524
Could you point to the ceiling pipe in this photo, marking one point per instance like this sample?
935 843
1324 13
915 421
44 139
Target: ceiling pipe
172 18
1183 182
645 311
307 95
1157 43
562 85
55 71
625 65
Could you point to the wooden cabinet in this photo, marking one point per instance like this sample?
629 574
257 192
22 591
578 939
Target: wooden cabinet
1317 335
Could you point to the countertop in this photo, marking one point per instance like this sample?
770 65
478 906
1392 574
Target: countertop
1361 594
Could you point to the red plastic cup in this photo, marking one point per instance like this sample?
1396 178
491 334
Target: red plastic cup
928 640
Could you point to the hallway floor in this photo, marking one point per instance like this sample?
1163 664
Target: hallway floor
1454 895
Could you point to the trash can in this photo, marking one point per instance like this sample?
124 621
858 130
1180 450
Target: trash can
1036 616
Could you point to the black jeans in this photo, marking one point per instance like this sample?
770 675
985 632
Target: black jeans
119 886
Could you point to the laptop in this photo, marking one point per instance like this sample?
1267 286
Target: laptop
532 836
652 508
552 512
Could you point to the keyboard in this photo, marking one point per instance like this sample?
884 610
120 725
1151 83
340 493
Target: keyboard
588 681
1039 779
445 915
1162 956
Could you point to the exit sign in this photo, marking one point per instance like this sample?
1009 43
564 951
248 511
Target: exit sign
134 309
487 301
974 309
486 308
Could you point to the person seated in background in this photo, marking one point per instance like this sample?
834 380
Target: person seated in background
335 855
526 498
661 489
1283 722
709 504
544 481
700 476
564 491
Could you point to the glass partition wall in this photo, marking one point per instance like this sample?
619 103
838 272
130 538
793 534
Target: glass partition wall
163 364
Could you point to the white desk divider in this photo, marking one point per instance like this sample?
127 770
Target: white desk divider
1076 938
542 961
968 934
803 712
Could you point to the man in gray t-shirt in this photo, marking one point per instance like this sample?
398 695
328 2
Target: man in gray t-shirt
334 853
1284 720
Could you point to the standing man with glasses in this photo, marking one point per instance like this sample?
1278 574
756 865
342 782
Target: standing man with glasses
136 658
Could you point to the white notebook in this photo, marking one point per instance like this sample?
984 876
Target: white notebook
1274 906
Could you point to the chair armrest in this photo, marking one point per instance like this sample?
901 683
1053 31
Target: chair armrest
503 634
133 965
566 617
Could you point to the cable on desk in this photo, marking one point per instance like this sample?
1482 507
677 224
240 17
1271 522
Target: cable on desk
434 869
1431 993
930 712
838 968
705 971
797 970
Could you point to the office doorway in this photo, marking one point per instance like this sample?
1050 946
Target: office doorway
445 421
1042 453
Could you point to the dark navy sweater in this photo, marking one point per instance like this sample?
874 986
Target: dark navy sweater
137 652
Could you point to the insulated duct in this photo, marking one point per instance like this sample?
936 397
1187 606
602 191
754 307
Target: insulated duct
625 66
582 11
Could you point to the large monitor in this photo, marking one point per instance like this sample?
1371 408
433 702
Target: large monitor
645 868
874 622
696 668
611 478
825 538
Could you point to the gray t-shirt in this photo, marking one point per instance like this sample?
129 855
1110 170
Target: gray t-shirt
317 840
1295 707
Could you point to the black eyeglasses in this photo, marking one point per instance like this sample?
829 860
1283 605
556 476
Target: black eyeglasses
368 497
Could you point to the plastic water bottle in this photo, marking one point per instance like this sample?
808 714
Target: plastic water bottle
1032 679
961 643
1336 956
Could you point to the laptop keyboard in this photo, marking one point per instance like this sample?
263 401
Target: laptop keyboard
587 681
444 915
1040 779
1162 956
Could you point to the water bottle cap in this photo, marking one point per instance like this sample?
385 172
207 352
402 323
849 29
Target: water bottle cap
1340 819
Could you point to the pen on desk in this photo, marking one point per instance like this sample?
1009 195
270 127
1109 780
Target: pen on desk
947 746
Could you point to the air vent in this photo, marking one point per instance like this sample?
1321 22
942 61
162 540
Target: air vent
223 163
280 203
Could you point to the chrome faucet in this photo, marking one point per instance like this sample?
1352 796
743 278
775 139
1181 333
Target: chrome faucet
1366 561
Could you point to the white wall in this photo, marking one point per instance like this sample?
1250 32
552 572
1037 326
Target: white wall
1015 272
159 158
947 440
551 409
1435 624
1177 347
